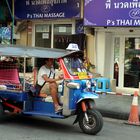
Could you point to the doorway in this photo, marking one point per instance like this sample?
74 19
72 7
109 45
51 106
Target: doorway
127 61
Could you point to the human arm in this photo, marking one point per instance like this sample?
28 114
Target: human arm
47 75
50 80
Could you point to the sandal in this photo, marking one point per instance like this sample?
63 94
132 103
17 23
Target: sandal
58 109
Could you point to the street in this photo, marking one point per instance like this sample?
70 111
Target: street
40 128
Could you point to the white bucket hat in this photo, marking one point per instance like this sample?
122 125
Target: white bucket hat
72 47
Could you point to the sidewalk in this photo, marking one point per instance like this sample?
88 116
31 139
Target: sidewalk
115 106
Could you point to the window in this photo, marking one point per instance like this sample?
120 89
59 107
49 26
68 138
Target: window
62 35
43 35
74 65
59 38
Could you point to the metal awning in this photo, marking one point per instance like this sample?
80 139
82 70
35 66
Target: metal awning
29 51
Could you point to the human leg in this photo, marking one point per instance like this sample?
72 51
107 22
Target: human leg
44 90
53 92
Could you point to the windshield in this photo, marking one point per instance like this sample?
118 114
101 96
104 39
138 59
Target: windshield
74 65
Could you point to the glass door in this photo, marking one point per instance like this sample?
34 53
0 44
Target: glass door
116 58
43 35
132 62
127 61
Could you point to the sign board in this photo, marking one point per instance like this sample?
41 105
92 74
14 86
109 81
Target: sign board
5 32
112 13
5 35
47 9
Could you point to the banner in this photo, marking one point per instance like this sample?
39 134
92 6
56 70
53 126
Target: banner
47 9
5 35
112 13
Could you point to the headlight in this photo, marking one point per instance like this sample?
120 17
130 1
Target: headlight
88 84
73 85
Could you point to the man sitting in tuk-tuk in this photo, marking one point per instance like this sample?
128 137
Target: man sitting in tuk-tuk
47 81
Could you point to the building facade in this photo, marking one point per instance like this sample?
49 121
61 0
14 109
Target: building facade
117 39
107 30
49 23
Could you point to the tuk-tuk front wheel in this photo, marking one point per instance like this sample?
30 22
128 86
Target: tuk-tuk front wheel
94 123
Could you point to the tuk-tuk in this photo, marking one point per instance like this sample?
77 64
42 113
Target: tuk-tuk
75 91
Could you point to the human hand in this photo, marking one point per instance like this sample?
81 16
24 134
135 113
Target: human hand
61 76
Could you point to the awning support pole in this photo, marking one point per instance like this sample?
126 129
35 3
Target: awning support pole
24 74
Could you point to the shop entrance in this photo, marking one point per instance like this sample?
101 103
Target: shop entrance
127 61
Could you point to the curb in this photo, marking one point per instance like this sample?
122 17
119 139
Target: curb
115 115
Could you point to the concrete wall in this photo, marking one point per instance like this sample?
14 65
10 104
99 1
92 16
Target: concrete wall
25 35
108 55
100 51
91 50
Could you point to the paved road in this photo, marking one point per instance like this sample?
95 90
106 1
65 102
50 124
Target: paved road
30 128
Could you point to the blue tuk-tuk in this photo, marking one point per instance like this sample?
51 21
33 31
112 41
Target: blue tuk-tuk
76 92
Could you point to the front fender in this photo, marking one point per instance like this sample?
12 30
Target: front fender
87 95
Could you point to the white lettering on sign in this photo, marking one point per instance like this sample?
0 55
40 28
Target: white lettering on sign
110 22
37 15
122 22
27 2
108 4
46 15
61 15
44 2
124 5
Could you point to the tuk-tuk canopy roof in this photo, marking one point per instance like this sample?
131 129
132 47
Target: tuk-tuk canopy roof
29 51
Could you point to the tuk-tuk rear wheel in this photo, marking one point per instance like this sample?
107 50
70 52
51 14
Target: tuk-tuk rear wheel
95 123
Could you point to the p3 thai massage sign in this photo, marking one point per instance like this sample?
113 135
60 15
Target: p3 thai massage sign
47 9
112 13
